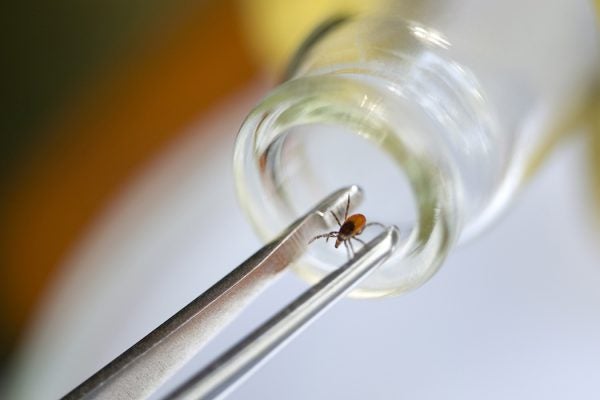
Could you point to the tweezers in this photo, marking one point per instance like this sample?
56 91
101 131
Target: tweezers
147 365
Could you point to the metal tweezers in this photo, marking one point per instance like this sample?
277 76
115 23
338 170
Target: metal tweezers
144 367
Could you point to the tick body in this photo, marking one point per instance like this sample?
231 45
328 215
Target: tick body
352 226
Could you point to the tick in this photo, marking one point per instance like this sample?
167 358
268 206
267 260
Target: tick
353 226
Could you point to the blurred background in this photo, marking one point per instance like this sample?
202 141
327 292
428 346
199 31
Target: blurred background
117 195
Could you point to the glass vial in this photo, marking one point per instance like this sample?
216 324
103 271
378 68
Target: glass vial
435 109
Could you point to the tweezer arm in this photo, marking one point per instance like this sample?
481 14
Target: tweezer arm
144 367
221 376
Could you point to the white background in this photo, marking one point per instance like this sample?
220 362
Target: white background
513 314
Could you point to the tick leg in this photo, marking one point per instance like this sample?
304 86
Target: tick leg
348 250
347 208
351 247
331 234
325 235
359 240
336 219
373 223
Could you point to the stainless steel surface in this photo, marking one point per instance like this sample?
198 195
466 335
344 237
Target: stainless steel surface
226 371
144 367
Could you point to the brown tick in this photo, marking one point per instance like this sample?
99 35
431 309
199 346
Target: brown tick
353 226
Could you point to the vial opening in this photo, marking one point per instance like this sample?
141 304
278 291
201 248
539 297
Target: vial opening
314 135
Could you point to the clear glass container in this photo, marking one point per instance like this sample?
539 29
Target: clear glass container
435 109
